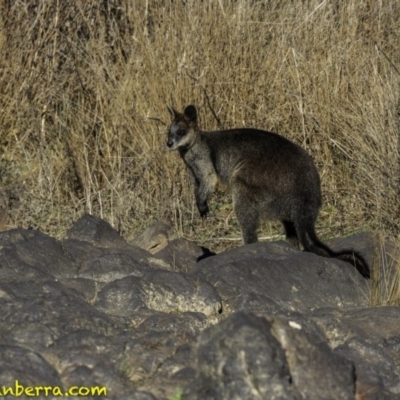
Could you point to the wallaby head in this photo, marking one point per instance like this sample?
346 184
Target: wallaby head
183 130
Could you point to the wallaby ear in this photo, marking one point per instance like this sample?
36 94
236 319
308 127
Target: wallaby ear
190 114
174 114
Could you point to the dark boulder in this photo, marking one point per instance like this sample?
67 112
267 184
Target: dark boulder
95 231
250 357
276 277
32 254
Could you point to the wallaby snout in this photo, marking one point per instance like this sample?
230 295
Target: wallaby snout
170 144
176 136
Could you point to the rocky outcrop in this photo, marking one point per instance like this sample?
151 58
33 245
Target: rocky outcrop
250 357
276 277
263 321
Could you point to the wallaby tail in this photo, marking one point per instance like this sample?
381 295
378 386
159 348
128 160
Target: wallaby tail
350 256
356 259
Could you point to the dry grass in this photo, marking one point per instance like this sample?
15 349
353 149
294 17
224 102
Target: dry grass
84 86
385 283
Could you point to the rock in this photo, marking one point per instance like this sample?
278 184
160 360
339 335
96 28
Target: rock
158 290
183 254
138 395
95 262
81 251
189 322
181 368
28 367
122 297
152 361
100 375
174 291
276 277
109 267
370 338
95 247
155 237
316 371
33 335
142 358
241 359
86 289
89 359
248 357
29 252
95 231
36 318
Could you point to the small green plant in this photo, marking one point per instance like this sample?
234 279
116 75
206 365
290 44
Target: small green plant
178 395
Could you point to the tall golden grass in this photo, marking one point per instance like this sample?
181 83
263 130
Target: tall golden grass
84 86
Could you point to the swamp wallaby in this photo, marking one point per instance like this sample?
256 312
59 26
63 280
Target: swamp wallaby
269 177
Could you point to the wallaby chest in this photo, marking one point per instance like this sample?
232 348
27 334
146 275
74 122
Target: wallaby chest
199 161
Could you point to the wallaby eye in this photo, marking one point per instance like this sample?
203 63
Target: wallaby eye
181 132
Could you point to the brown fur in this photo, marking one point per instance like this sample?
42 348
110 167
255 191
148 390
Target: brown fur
269 176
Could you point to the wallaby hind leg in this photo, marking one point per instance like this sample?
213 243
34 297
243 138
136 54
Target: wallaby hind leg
248 216
291 234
